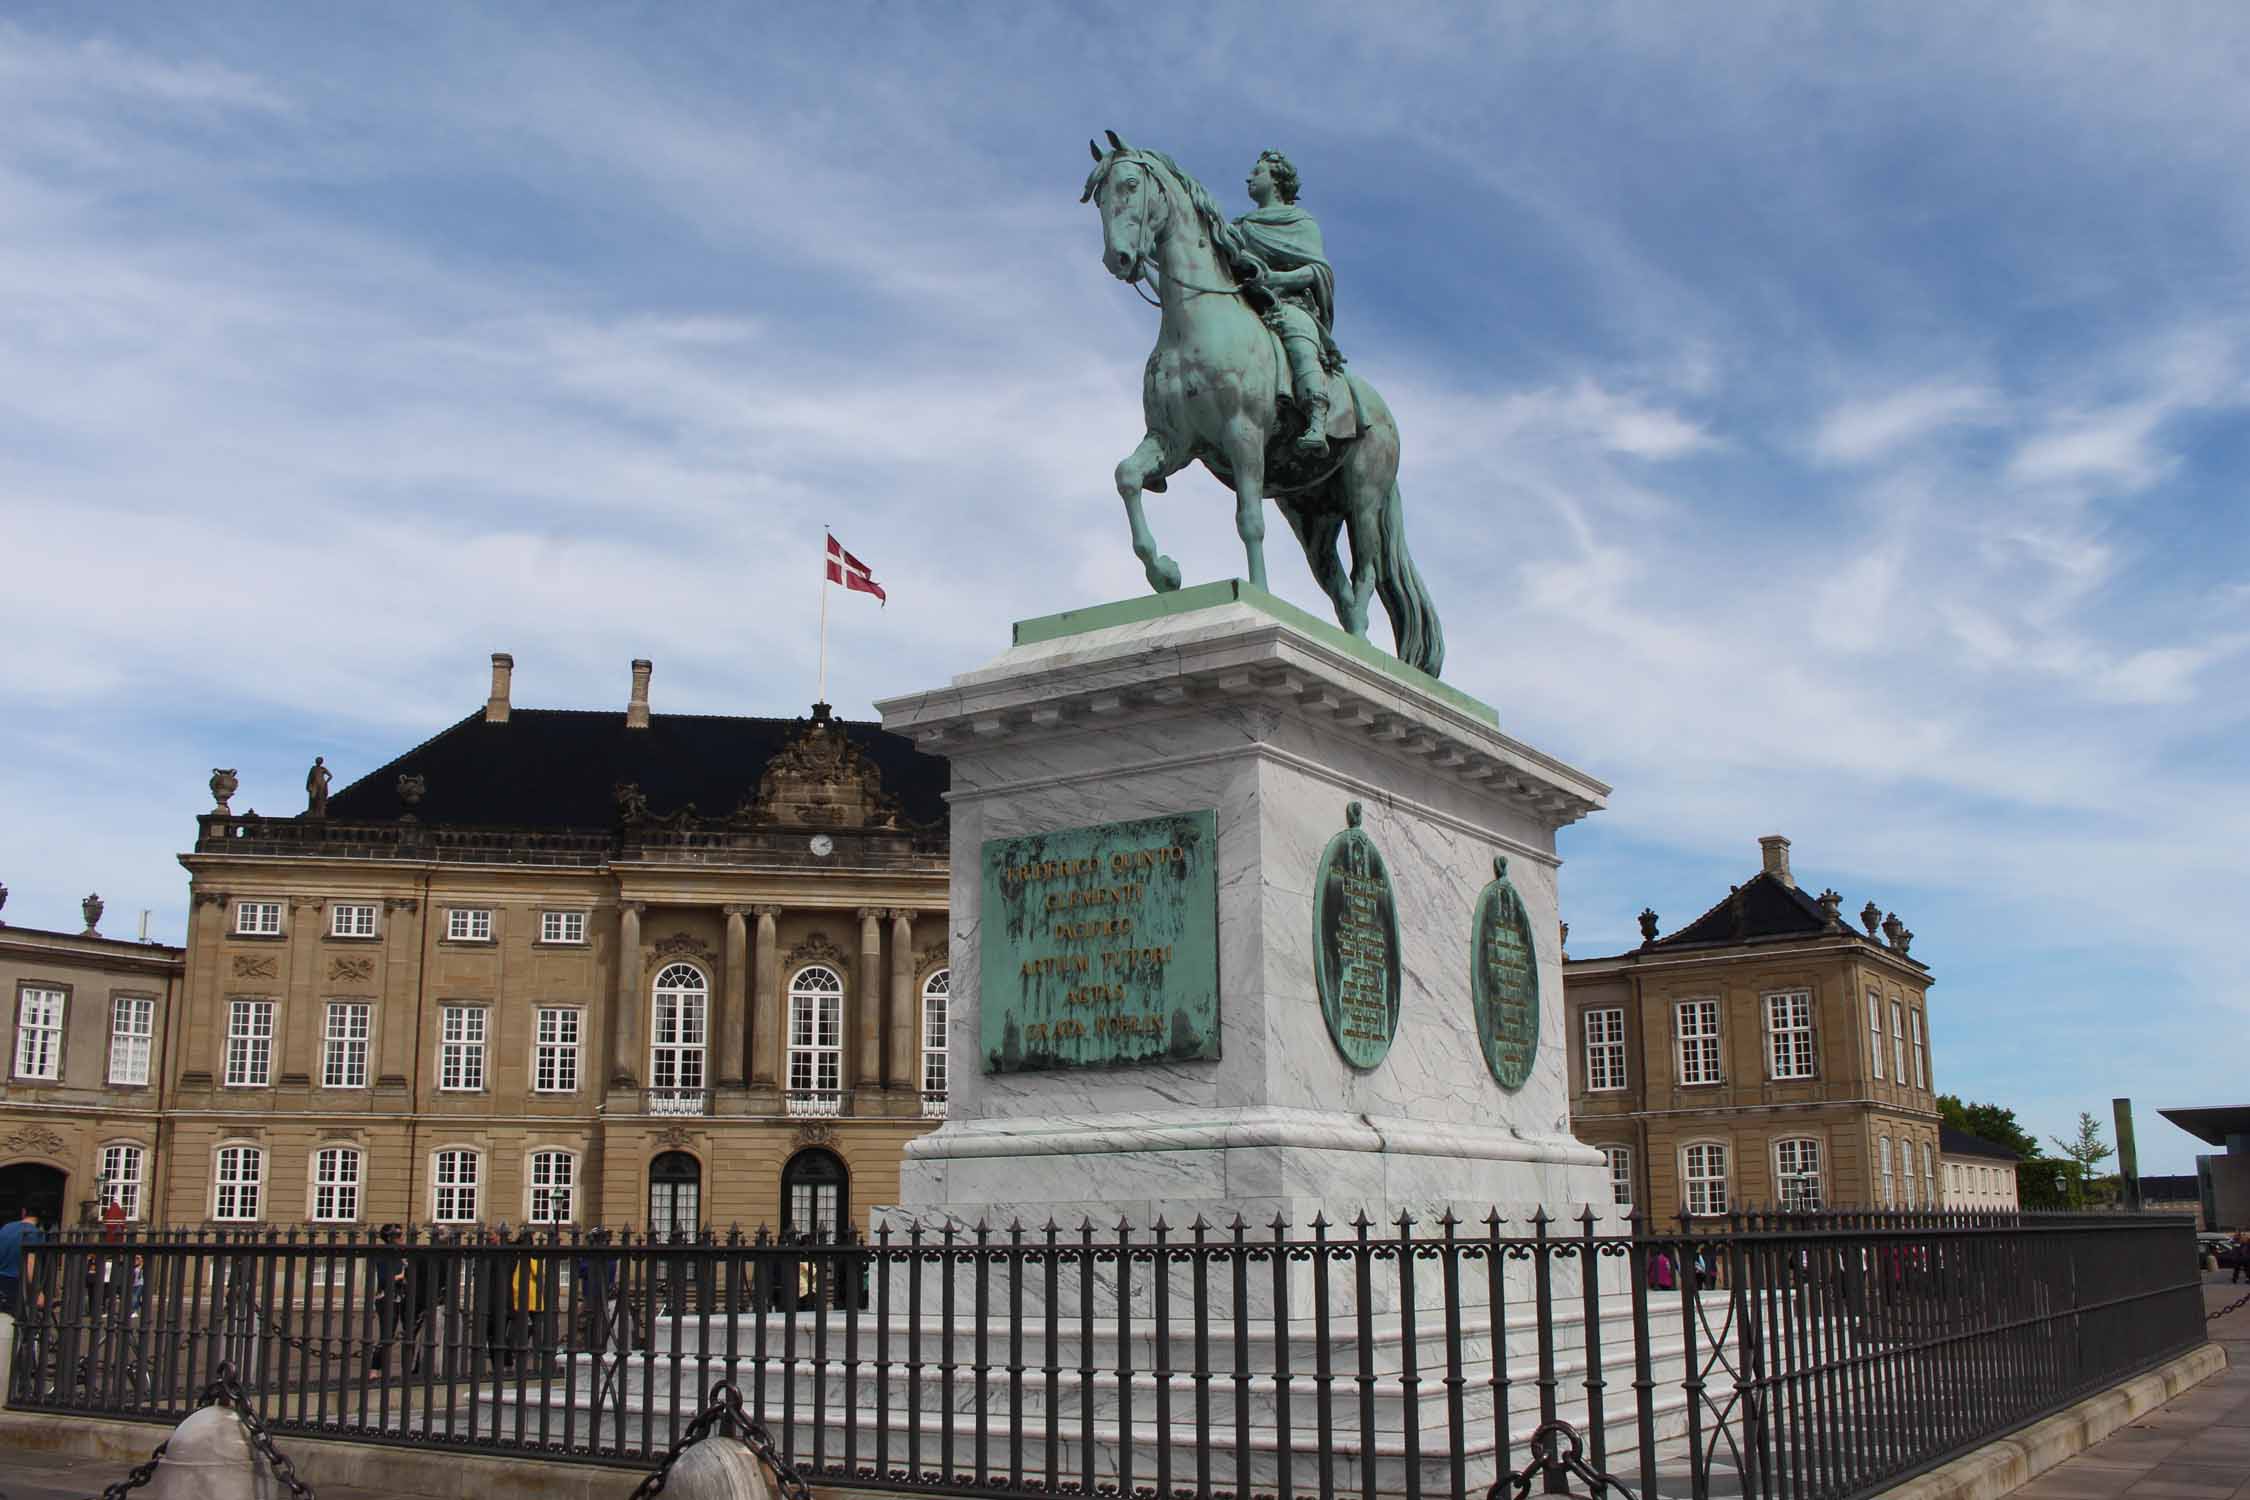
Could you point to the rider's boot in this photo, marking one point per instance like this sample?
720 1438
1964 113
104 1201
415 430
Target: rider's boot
1312 395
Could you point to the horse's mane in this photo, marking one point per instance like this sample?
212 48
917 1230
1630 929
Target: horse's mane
1207 209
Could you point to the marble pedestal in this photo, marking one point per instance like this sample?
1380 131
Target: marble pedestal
1223 698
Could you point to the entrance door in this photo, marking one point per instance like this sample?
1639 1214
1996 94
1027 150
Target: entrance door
41 1187
815 1196
675 1194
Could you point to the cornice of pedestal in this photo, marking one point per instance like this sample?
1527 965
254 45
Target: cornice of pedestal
1234 654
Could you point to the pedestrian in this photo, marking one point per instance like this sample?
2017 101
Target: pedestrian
526 1297
1660 1273
2240 1252
386 1285
15 1241
428 1292
491 1275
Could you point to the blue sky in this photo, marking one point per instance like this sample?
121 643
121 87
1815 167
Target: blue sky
1826 421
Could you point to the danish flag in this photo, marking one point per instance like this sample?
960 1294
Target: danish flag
849 571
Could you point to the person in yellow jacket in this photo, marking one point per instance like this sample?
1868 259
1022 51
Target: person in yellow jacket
527 1290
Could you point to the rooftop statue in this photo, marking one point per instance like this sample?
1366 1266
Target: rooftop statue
1247 378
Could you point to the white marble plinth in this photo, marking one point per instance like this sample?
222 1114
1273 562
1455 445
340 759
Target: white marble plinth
1277 722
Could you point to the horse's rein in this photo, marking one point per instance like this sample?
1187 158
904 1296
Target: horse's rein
1157 174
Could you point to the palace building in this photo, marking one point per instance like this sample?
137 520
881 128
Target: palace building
1764 1055
550 966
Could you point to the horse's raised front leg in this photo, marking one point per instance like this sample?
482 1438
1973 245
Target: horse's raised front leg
1134 472
1246 456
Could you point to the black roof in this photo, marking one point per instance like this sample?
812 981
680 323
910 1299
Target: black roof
1770 909
2214 1124
560 768
1953 1142
2171 1188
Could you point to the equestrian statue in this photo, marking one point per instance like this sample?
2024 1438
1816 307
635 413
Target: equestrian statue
1247 378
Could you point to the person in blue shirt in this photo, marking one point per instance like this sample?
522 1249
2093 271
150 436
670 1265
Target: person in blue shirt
15 1239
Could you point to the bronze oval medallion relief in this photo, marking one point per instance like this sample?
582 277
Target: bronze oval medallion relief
1504 980
1355 945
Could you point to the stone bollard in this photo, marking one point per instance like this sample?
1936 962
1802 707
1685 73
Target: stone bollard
209 1457
719 1467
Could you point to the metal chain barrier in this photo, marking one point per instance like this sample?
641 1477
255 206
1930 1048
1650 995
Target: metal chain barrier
725 1406
1570 1463
2236 1305
225 1390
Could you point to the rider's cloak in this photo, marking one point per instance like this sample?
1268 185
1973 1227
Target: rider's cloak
1286 238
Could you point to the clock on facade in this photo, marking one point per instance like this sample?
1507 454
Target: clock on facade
823 845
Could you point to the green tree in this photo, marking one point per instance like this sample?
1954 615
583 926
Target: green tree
2082 1154
1988 1122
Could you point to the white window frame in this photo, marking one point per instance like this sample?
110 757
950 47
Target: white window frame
1898 1043
1887 1194
550 1173
1619 1161
351 919
816 1030
558 1031
468 924
339 1174
1929 1173
1702 1043
456 1184
342 1047
39 1032
463 1032
1921 1050
562 927
252 1026
1797 1164
237 1198
132 1038
1875 1033
937 1011
679 1033
257 919
1792 1051
1697 1180
1604 1029
125 1186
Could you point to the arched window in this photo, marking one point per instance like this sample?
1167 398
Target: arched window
816 1041
337 1171
238 1180
675 1194
815 1194
1883 1165
675 1066
1620 1159
1796 1171
936 995
553 1180
1703 1173
1929 1175
122 1175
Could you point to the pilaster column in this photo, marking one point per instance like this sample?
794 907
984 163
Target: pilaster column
766 1025
731 1036
867 999
625 1024
300 994
402 975
906 1021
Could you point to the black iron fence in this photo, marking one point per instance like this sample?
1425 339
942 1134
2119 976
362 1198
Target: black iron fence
1777 1355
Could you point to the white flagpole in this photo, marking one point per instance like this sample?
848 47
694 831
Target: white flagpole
825 539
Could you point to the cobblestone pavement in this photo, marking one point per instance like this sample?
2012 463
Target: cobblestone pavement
2196 1447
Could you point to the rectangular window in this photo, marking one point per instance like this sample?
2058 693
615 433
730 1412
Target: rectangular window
554 1062
1898 1041
1906 1168
466 924
240 1176
249 1043
1883 1164
121 1178
562 927
351 921
554 1175
343 1056
676 1049
461 1047
257 918
1929 1174
1796 1165
1620 1159
1605 1050
336 1173
1698 1027
132 1031
1875 1033
453 1178
1789 1035
1921 1049
39 1021
1703 1171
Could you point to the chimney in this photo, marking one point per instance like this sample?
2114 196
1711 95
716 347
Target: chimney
636 711
1776 850
496 706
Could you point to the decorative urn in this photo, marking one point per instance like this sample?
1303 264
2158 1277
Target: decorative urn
92 907
223 785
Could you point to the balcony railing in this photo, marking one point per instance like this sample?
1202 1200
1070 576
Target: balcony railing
933 1104
817 1104
675 1101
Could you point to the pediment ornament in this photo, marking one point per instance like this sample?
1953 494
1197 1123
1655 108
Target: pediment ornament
817 949
254 966
351 968
815 1135
35 1138
680 945
820 779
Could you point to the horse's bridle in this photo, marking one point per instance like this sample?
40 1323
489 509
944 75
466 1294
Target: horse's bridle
1161 179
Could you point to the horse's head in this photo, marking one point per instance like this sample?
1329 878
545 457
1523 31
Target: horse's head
1131 191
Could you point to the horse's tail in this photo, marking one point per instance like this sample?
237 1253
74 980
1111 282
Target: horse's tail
1414 621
